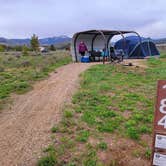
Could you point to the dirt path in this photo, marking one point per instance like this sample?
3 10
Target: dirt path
25 128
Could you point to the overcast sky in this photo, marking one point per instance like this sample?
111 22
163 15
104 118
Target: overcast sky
22 18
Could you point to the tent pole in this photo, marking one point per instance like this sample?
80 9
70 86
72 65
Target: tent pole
140 41
93 39
108 41
149 47
124 42
75 47
105 43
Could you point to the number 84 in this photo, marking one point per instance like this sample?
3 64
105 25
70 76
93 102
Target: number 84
162 109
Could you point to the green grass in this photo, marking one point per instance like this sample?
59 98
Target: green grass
50 158
68 114
98 110
54 129
104 112
148 153
102 146
17 72
83 136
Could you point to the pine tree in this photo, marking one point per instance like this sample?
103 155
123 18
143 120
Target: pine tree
34 43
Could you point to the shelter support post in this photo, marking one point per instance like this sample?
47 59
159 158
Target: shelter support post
92 44
75 47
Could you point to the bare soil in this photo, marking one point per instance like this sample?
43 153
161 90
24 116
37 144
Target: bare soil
25 126
136 62
123 152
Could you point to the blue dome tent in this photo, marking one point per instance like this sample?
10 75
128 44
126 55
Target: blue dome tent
135 47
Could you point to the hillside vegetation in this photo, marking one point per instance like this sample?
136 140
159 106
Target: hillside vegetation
110 119
18 72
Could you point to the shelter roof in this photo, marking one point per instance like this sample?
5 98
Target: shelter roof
105 32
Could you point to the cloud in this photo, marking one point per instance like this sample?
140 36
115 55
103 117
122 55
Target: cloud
22 18
155 29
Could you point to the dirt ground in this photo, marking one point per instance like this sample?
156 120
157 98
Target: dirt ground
25 126
136 62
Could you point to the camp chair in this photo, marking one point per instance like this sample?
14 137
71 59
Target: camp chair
94 54
116 56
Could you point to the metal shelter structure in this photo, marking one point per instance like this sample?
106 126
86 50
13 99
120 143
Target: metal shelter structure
95 39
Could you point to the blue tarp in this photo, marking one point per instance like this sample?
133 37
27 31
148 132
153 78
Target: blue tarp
134 47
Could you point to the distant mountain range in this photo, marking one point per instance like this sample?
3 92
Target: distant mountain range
44 41
57 40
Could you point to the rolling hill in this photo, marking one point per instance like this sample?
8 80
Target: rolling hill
44 41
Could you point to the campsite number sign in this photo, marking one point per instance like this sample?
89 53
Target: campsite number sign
159 134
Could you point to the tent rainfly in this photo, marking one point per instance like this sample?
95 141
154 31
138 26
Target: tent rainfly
135 49
95 39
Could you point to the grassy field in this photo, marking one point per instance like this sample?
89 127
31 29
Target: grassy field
18 72
109 122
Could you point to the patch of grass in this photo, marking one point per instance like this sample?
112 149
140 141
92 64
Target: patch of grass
102 145
145 129
108 126
90 158
67 142
133 133
68 114
50 148
148 153
17 72
154 62
163 55
21 87
49 160
54 129
83 136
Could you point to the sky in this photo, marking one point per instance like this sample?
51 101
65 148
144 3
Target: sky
47 18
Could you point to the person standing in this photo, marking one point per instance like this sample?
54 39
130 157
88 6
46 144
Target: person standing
82 48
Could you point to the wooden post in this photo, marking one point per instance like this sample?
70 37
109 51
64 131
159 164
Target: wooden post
159 129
